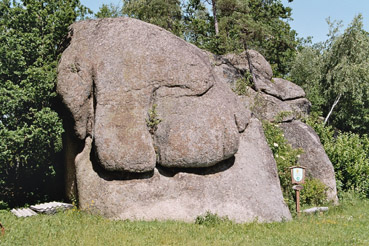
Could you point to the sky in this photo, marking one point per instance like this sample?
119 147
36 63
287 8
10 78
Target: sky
94 5
309 16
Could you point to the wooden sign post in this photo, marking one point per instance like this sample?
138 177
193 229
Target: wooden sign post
298 178
2 229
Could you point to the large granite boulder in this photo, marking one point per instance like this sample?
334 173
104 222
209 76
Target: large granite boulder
113 73
154 133
243 188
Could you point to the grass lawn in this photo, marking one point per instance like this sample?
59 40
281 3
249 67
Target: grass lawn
346 224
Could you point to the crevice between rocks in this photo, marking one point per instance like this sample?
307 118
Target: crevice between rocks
203 171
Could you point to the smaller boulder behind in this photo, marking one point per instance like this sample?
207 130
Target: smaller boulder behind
314 158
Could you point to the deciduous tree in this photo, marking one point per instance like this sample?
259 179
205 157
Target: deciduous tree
336 75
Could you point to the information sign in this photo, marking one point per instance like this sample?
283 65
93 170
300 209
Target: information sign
298 175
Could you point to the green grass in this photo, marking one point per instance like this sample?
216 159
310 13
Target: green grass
347 224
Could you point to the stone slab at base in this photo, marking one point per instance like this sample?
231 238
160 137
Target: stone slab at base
315 210
51 207
23 212
45 208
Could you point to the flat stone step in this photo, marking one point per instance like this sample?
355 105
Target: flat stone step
315 209
51 207
44 208
23 212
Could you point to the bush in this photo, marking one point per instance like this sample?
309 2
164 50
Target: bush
349 154
210 219
314 192
285 156
242 84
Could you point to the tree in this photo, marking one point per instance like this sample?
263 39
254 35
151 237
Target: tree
306 71
31 40
262 24
347 78
198 25
110 10
339 77
164 13
214 9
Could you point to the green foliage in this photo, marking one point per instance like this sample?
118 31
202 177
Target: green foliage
282 115
347 74
349 154
314 192
306 71
153 121
285 156
110 10
164 13
338 69
31 39
210 219
262 25
325 132
243 84
198 25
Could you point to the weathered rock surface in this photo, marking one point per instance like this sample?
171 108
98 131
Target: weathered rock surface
110 77
119 69
270 98
267 107
261 67
231 67
199 131
281 88
202 151
244 188
300 105
314 158
281 100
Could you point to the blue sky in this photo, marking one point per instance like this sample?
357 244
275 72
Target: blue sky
95 4
309 15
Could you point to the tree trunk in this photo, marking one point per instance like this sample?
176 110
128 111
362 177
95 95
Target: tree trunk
334 105
213 3
249 61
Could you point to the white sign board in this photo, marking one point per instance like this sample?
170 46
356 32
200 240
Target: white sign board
298 174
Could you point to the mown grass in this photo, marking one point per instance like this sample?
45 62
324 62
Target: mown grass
346 224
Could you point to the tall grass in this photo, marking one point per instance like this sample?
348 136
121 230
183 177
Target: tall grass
347 224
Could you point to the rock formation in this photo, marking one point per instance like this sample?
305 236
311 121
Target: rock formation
276 99
314 158
154 131
119 70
